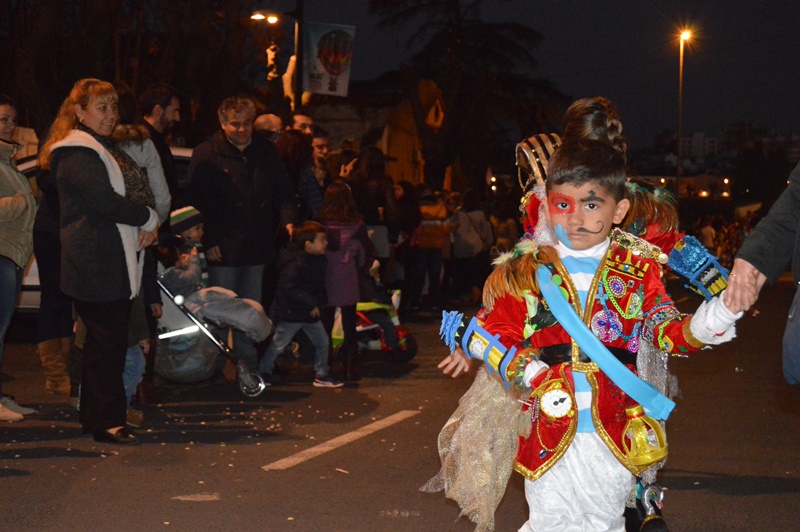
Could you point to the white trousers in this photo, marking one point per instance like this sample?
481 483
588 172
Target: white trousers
584 491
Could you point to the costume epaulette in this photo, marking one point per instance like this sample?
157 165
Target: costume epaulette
515 271
638 246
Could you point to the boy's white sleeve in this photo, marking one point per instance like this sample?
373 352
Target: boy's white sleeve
531 370
713 323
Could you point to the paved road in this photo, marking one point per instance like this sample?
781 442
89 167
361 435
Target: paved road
355 457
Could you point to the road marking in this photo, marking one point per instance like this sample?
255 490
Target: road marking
198 497
339 441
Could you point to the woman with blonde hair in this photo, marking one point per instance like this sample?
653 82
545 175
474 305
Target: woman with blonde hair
107 218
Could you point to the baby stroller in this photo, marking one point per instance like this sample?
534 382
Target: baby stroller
184 356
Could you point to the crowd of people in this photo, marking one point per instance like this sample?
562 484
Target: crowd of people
723 239
575 326
110 211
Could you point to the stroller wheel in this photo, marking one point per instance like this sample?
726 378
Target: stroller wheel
251 384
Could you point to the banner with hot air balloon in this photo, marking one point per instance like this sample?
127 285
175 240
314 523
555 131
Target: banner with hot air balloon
328 51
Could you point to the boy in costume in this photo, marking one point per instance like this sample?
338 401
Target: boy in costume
564 324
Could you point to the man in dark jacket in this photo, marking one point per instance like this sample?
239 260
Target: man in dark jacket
299 299
766 253
239 183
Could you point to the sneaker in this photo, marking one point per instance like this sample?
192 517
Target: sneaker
9 402
134 417
9 415
327 382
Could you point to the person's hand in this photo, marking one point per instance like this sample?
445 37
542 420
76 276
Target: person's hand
157 310
744 284
21 197
315 312
184 260
214 254
290 229
455 364
347 169
147 238
145 345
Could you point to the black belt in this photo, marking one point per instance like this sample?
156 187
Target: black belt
558 354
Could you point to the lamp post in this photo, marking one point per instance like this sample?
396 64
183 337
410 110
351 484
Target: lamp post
685 36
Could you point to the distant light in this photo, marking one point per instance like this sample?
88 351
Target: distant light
258 16
703 193
272 19
663 180
726 194
494 188
726 180
493 179
686 35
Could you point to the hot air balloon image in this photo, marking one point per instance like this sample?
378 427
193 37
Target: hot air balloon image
335 53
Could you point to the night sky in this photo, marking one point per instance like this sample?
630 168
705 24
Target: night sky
742 66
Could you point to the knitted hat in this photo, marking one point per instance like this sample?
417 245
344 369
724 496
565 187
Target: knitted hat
184 218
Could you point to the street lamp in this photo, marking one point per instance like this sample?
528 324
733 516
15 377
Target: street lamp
273 18
685 36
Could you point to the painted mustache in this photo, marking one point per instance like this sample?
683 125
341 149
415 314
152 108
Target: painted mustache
584 230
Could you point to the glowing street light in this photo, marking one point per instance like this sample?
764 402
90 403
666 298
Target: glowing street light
270 18
685 36
298 14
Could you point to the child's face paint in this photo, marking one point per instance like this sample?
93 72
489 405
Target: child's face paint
582 216
562 235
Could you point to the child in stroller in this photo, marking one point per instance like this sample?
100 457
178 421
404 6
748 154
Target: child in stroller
186 284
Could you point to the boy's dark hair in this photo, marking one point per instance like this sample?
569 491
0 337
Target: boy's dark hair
581 161
306 232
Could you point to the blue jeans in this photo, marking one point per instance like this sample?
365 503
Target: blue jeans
246 282
10 284
791 343
134 370
285 331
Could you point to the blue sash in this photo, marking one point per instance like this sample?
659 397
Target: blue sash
658 405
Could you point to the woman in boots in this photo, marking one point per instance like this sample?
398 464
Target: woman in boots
349 252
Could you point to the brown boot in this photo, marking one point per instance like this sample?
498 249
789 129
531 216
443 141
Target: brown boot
54 364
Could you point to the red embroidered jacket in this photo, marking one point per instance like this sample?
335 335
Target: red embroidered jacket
626 297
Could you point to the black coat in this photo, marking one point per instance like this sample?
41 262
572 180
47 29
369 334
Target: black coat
774 243
92 258
245 197
301 286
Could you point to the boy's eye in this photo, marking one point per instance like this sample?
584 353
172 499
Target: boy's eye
592 206
562 205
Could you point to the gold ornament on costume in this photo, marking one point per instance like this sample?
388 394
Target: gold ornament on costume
643 439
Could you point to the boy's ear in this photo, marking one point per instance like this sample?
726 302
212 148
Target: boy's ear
623 206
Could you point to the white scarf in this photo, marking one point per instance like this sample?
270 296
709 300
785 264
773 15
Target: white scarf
128 233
